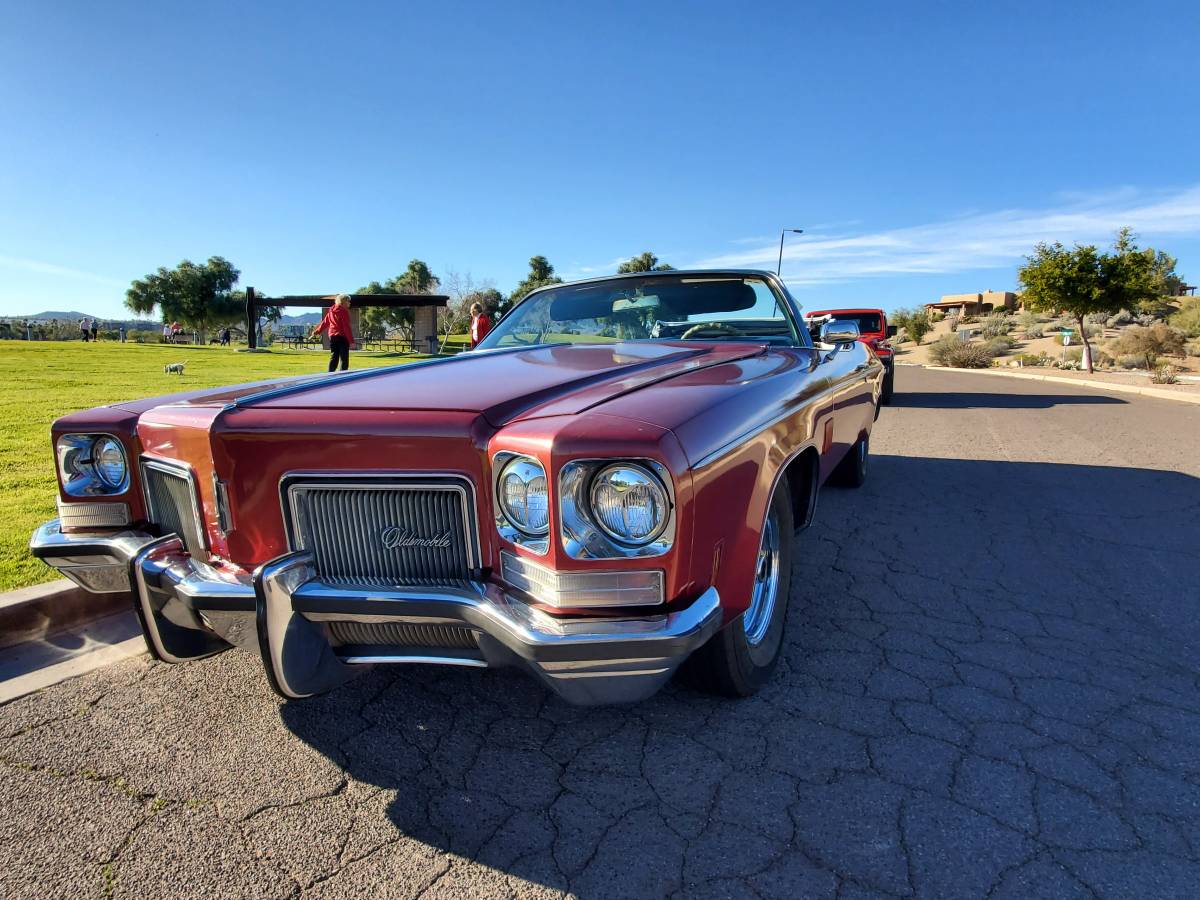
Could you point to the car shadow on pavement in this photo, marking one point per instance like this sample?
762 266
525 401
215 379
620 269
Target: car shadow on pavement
989 688
982 400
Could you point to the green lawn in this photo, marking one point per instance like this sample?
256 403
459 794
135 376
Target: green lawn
41 381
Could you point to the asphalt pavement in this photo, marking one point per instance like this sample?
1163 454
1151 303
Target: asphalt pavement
991 688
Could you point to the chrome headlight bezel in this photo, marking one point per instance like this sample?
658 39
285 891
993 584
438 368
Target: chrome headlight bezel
644 477
77 470
508 524
583 535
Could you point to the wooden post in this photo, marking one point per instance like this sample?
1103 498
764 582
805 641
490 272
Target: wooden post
251 320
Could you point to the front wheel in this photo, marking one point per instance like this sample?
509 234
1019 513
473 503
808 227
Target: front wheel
852 470
889 384
741 657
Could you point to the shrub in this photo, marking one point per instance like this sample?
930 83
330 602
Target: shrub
1192 348
1133 361
994 325
998 346
1034 331
1100 359
1124 317
957 353
969 320
1093 330
1164 375
1034 359
1157 340
1028 318
1187 319
1096 318
1146 320
953 320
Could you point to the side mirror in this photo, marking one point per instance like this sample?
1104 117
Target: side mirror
892 329
839 332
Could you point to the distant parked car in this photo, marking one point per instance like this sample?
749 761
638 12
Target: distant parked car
874 331
608 486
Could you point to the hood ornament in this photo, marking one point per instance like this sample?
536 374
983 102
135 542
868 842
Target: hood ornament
394 538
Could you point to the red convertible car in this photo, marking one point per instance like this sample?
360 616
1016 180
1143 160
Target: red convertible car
606 487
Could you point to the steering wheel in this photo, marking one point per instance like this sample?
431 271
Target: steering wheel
716 327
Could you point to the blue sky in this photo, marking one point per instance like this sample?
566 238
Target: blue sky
923 146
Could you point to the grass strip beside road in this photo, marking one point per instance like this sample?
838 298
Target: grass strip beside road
42 380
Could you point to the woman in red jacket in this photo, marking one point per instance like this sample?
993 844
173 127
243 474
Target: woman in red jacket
481 324
337 323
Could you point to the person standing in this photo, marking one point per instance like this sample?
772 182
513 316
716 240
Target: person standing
336 321
481 324
84 331
166 335
121 333
95 329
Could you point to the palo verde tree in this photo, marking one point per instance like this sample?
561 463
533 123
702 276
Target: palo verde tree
416 279
1081 280
915 322
643 262
199 297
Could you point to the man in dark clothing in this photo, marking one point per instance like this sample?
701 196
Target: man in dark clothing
95 328
337 322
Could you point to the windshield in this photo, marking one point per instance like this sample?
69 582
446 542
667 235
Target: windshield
868 322
654 307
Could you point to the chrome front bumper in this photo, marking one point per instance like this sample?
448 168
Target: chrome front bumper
189 610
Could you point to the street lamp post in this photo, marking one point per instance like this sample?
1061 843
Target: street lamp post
779 265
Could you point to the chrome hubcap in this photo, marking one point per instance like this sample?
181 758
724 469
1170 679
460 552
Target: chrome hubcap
757 619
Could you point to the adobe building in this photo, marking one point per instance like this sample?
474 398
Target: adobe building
974 304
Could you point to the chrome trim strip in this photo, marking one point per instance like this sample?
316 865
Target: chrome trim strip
419 660
177 469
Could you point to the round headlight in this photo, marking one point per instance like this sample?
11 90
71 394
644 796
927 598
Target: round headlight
629 504
524 499
108 460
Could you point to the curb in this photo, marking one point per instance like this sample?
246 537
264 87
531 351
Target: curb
32 613
1157 393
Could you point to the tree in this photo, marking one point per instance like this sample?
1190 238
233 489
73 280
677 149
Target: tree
541 273
200 297
645 262
464 292
1082 280
378 320
915 323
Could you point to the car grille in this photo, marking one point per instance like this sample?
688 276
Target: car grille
171 502
403 634
384 532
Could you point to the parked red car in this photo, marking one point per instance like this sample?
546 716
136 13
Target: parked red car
607 487
874 331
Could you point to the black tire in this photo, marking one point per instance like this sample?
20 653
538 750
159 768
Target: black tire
852 470
731 664
889 386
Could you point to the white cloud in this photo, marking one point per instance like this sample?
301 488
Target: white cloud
971 241
45 268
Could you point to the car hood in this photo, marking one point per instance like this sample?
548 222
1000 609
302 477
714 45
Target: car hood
501 385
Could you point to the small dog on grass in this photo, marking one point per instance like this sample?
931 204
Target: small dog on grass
173 369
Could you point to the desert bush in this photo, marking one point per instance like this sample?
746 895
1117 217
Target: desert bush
969 320
957 353
1133 361
1187 319
1124 317
995 325
1092 330
1146 320
1102 360
1157 340
1192 348
1164 375
1034 359
915 322
1034 331
1096 318
953 323
1000 345
1028 318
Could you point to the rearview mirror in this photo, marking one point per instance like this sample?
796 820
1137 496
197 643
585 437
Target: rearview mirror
839 331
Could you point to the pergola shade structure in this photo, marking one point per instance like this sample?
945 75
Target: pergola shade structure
322 301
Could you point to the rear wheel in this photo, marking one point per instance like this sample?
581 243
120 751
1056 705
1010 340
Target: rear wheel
852 470
742 656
